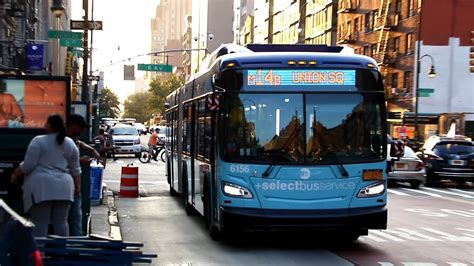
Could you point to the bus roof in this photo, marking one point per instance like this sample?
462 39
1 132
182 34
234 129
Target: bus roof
279 59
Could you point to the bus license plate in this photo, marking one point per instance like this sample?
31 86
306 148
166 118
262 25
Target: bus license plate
457 162
401 166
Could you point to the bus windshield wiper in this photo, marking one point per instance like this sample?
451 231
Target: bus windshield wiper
276 156
341 167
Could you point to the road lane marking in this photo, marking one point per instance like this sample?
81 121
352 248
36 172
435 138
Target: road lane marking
423 192
462 191
397 192
448 192
383 234
466 234
450 237
457 264
413 235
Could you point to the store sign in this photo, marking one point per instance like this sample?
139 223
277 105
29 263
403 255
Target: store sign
299 77
34 56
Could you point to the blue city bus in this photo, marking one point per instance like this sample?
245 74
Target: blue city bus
281 136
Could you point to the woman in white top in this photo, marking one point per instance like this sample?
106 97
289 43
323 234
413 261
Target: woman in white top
52 176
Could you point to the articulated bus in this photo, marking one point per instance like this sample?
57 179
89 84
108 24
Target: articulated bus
281 136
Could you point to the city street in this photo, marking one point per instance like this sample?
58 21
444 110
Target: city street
427 226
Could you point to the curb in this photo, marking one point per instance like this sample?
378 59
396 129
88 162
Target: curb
114 226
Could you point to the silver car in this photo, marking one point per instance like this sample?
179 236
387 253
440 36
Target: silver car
409 168
126 139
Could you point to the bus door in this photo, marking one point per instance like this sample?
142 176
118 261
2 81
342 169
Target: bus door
203 139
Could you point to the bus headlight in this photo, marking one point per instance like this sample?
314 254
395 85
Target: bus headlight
373 190
137 141
236 191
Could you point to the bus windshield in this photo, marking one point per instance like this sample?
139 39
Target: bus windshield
304 128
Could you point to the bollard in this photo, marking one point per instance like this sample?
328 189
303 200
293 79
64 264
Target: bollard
129 181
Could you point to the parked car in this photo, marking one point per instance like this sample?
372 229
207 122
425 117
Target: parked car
409 168
448 158
141 128
126 139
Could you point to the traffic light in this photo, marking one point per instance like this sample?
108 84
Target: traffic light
471 54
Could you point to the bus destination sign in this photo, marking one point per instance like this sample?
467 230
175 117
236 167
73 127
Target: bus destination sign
300 77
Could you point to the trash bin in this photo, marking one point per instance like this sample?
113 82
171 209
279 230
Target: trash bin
96 183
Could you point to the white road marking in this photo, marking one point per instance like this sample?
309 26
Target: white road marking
462 191
383 234
413 235
396 192
449 237
457 264
447 192
423 192
467 234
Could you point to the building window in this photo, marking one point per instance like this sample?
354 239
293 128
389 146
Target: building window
396 44
367 26
356 27
407 80
398 9
373 50
367 50
409 43
411 8
395 80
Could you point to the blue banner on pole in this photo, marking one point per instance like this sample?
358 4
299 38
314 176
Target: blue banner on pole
34 56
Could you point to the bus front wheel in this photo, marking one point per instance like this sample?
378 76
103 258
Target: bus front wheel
214 231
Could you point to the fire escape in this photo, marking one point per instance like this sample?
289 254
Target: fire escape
382 25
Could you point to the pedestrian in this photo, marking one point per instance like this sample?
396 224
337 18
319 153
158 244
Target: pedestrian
103 150
75 126
109 143
152 142
52 176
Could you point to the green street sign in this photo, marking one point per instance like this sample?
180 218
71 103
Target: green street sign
70 42
155 67
425 90
423 94
77 53
59 34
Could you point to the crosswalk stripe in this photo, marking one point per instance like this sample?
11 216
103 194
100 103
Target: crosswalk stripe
374 238
397 192
450 193
423 192
462 191
387 236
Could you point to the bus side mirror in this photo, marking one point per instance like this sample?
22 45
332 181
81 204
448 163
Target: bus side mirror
397 149
215 84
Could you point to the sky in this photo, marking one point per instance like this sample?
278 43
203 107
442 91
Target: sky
125 34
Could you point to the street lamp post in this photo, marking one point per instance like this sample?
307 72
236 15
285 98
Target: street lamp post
198 39
431 74
302 22
57 9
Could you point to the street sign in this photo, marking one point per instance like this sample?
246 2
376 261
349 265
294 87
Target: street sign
70 42
59 34
81 25
77 53
155 67
425 90
423 94
94 78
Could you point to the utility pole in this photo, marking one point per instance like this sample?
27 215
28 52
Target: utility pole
85 79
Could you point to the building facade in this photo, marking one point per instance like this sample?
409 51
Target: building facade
212 26
166 33
320 22
390 31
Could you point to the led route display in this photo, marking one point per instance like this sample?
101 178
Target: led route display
299 77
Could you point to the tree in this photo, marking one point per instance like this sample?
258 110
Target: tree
109 104
159 89
136 106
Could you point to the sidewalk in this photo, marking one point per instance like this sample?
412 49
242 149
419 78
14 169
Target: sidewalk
152 182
